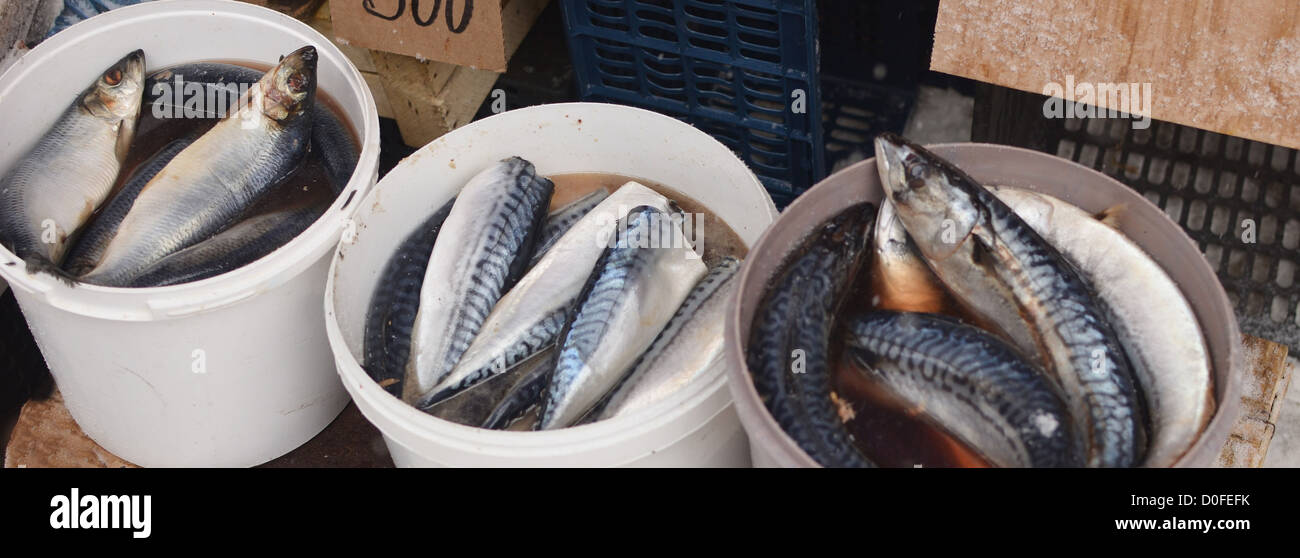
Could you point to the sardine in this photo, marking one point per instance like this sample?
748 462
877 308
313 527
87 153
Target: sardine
330 137
690 344
789 341
970 383
562 219
484 248
218 176
529 317
974 242
529 379
640 280
53 189
241 244
89 246
1156 326
395 302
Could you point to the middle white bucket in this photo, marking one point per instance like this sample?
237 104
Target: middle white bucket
697 426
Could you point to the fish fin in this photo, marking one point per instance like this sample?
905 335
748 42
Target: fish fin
40 264
1110 215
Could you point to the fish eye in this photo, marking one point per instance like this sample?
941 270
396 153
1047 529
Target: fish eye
297 82
113 77
917 174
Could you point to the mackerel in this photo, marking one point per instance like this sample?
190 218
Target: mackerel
395 302
1156 326
562 219
788 351
970 383
483 249
690 344
975 242
529 317
638 283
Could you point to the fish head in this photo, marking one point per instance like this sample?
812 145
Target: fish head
116 95
289 89
932 199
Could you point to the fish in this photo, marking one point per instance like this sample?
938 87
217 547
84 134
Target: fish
639 282
529 317
241 244
493 227
560 220
788 351
89 246
690 344
900 278
220 83
969 382
974 242
474 406
395 301
1156 326
529 380
54 189
211 182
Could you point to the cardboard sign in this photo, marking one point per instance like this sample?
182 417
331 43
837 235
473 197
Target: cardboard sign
463 32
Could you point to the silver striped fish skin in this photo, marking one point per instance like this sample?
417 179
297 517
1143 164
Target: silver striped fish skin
690 343
632 293
482 251
89 246
214 180
527 381
72 168
396 301
970 237
233 248
970 383
475 405
562 219
788 351
529 317
1156 326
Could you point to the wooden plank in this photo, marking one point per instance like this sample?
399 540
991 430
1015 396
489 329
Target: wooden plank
432 98
1262 392
1229 67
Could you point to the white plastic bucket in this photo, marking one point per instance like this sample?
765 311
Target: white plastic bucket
697 426
229 371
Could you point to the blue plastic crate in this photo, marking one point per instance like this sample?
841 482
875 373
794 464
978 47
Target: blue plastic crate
729 67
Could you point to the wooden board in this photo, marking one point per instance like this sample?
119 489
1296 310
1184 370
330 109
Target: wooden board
359 57
432 98
46 435
1228 67
1262 393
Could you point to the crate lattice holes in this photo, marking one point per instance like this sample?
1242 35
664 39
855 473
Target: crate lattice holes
1218 188
735 68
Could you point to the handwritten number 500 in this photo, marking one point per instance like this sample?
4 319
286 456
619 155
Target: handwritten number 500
369 6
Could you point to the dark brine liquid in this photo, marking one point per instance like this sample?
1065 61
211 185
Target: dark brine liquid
884 428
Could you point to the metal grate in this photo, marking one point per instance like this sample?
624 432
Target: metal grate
1218 188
